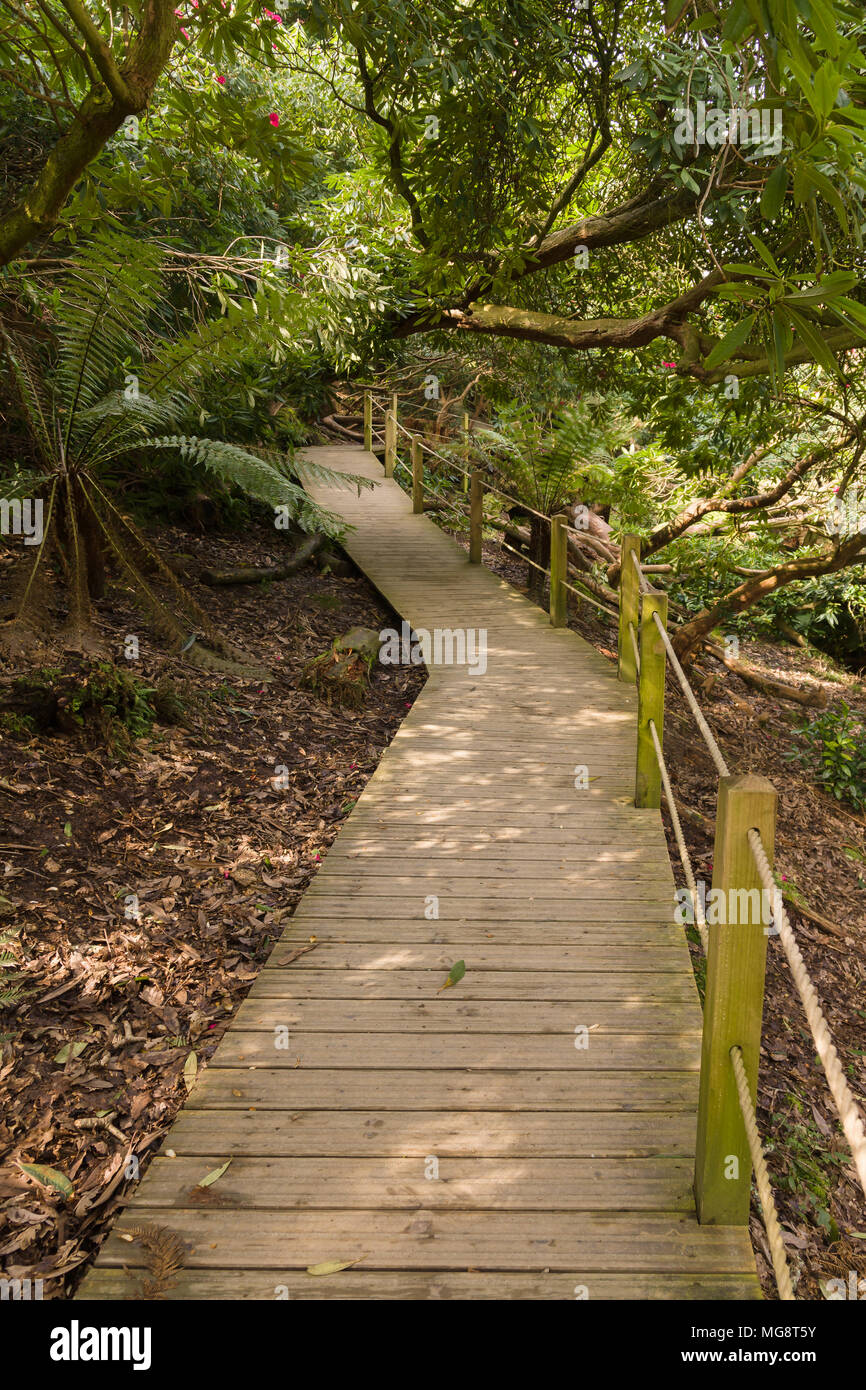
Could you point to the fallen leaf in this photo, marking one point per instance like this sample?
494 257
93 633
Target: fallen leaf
190 1070
458 970
49 1177
214 1174
334 1266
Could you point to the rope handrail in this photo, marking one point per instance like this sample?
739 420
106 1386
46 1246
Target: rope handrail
488 486
589 597
685 859
641 577
633 635
762 1179
709 739
525 558
843 1098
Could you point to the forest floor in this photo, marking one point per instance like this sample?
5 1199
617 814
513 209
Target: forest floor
821 859
117 1013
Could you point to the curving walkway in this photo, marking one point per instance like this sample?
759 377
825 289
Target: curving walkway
553 1089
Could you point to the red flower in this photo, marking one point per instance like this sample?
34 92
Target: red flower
274 119
220 80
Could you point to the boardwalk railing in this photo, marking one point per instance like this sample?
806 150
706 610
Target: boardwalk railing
744 895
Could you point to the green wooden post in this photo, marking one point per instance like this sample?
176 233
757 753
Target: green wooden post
417 475
394 403
466 441
368 422
735 999
558 562
476 499
651 699
390 442
629 598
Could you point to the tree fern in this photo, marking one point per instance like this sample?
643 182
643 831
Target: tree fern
81 420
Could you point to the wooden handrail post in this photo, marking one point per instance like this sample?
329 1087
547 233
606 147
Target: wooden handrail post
466 441
734 1002
390 442
368 421
651 699
417 475
476 512
629 598
558 563
394 403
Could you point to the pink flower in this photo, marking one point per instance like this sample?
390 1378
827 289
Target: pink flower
274 119
185 34
669 364
220 80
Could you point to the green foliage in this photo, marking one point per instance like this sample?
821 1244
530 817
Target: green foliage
83 421
835 751
547 462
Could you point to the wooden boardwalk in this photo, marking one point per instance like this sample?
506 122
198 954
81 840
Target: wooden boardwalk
564 1169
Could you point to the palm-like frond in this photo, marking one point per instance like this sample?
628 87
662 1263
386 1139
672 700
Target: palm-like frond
28 380
108 301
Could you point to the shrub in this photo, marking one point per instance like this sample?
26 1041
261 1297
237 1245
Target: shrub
836 752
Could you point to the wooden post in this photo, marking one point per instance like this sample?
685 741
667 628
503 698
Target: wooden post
651 699
476 499
558 562
394 403
417 475
368 422
466 440
629 598
390 442
735 998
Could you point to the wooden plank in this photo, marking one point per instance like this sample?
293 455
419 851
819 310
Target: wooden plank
460 1184
532 988
406 930
260 1088
403 955
450 1012
393 1133
455 906
351 1284
591 1241
609 1050
634 934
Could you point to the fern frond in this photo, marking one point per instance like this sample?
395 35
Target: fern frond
27 378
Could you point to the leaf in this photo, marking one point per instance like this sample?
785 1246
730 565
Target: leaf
49 1177
773 195
813 341
458 970
732 340
334 1266
214 1174
190 1070
70 1050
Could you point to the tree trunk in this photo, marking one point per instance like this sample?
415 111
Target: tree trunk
753 590
539 553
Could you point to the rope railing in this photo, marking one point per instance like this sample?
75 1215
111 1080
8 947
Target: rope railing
685 858
843 1098
641 577
589 597
735 960
762 1179
706 731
